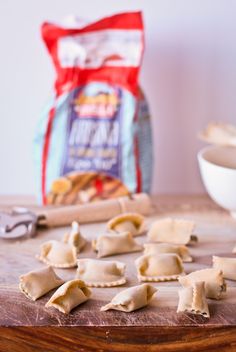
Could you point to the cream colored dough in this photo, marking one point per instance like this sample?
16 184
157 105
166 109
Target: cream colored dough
110 244
69 296
158 248
159 267
39 282
172 231
99 273
58 254
132 298
74 237
214 282
193 300
226 265
127 222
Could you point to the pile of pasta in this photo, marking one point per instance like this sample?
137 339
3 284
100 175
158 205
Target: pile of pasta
162 260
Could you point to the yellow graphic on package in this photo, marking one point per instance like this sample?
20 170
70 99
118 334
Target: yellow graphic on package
101 105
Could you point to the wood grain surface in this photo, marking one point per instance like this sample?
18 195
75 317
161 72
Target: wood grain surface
29 325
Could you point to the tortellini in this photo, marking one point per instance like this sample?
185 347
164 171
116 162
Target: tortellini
157 248
159 267
192 299
74 237
214 282
127 222
39 282
98 273
58 254
161 261
63 254
110 244
131 299
220 134
172 231
226 265
69 296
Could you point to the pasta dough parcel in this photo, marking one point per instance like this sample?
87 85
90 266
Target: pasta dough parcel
94 138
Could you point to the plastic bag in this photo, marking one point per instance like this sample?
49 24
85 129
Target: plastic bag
94 138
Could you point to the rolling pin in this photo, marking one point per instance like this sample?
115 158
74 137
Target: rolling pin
93 212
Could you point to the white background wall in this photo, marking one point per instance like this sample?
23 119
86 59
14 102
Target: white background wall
189 76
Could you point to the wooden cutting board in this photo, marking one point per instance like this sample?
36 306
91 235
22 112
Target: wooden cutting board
28 324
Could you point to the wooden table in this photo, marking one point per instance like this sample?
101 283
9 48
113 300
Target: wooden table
29 326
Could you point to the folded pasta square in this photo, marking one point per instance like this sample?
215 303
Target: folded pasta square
193 300
158 248
132 298
69 296
214 282
58 254
127 222
226 265
39 282
110 244
98 273
74 237
159 267
220 134
172 231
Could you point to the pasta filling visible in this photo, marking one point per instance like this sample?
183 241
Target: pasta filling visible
127 222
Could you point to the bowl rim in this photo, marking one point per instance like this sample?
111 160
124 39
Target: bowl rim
201 158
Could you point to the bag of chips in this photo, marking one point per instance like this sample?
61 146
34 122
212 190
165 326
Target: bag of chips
94 138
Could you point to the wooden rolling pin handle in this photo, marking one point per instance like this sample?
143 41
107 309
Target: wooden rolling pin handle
96 211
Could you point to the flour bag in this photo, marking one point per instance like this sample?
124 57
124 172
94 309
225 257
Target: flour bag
94 138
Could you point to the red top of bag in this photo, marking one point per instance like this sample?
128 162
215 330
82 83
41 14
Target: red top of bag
109 50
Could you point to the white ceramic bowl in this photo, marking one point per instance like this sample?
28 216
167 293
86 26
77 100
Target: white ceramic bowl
218 170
